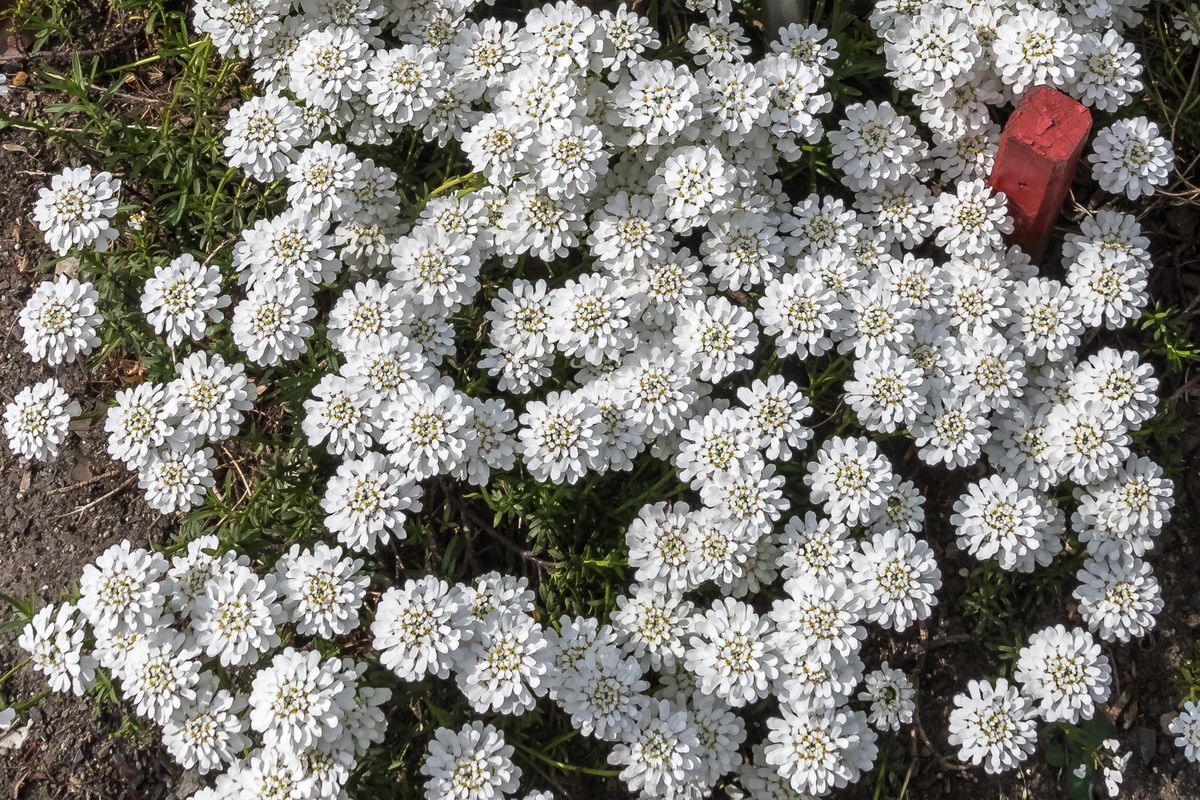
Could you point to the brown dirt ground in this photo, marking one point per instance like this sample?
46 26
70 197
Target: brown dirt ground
55 518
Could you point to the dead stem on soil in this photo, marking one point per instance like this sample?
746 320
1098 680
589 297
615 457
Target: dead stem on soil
120 488
81 484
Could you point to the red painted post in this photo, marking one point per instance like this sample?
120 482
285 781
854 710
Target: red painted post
1039 151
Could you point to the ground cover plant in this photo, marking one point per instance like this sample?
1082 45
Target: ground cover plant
575 401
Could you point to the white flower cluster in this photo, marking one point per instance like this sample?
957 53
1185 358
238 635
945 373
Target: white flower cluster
1186 727
77 209
158 431
699 270
1186 24
170 632
37 419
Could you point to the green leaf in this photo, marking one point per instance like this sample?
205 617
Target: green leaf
1056 754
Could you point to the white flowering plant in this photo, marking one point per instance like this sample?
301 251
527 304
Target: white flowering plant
581 400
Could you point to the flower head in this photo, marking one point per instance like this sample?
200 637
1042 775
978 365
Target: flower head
54 641
300 700
504 666
77 210
473 763
60 320
993 725
660 752
730 654
238 617
419 628
177 478
321 591
144 421
36 421
1035 47
891 696
1186 727
899 577
817 749
264 136
1065 673
121 590
1130 157
210 396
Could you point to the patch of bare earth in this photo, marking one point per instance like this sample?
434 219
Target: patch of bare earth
54 519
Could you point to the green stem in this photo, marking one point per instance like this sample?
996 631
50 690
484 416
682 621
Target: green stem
653 493
25 705
450 184
879 781
601 773
229 173
156 57
607 563
4 678
566 737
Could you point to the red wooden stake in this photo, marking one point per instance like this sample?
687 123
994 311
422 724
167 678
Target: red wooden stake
1039 151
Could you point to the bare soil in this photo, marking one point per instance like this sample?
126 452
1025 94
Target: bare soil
54 519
